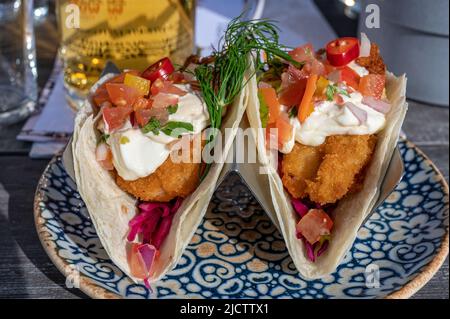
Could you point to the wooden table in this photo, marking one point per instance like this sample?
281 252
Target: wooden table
25 269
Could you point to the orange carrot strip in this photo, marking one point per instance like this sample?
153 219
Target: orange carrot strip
307 106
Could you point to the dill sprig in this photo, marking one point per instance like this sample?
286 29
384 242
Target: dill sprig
222 80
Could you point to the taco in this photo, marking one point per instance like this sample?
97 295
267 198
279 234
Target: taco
144 204
326 131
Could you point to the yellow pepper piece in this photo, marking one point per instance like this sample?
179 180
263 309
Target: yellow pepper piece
136 82
321 86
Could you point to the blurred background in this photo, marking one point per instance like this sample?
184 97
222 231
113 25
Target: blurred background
47 67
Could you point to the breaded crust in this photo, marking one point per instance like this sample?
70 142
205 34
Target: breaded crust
169 181
326 173
374 62
300 165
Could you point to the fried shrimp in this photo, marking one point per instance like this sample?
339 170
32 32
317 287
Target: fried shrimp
345 157
326 173
374 62
170 180
299 166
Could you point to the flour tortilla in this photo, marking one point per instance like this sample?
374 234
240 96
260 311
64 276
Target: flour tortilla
352 210
111 209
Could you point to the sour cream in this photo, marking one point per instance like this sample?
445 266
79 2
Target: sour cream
330 119
137 155
191 109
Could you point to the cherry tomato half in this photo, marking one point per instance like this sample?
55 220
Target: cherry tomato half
342 51
159 70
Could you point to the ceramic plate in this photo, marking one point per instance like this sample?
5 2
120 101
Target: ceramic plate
238 253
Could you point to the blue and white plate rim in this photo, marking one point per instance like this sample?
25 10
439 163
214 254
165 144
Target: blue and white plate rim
91 289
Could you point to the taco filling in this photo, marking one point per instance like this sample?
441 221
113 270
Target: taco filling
145 119
148 131
323 118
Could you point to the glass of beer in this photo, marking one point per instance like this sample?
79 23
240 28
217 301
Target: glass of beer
131 33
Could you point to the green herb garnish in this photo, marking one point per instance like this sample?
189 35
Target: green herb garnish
293 112
178 128
333 89
172 109
153 126
104 138
221 81
263 111
170 128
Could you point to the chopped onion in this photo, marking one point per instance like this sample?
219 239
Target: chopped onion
147 253
101 152
335 76
376 104
364 50
103 155
359 113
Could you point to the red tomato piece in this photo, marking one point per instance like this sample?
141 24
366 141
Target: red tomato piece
121 94
141 103
115 117
293 84
144 115
162 100
167 87
372 85
350 77
315 224
303 54
285 129
342 51
100 96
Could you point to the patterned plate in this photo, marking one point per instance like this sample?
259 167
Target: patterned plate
238 253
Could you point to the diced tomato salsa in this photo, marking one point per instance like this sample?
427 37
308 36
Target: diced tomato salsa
130 95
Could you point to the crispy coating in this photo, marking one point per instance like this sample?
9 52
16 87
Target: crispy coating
374 62
326 173
300 165
345 157
169 181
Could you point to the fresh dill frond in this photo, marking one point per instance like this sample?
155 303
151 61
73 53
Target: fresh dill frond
222 80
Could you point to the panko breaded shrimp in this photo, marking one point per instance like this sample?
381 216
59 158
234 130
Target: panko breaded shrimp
169 181
374 62
300 165
345 157
326 173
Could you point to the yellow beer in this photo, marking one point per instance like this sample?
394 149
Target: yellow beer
131 33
